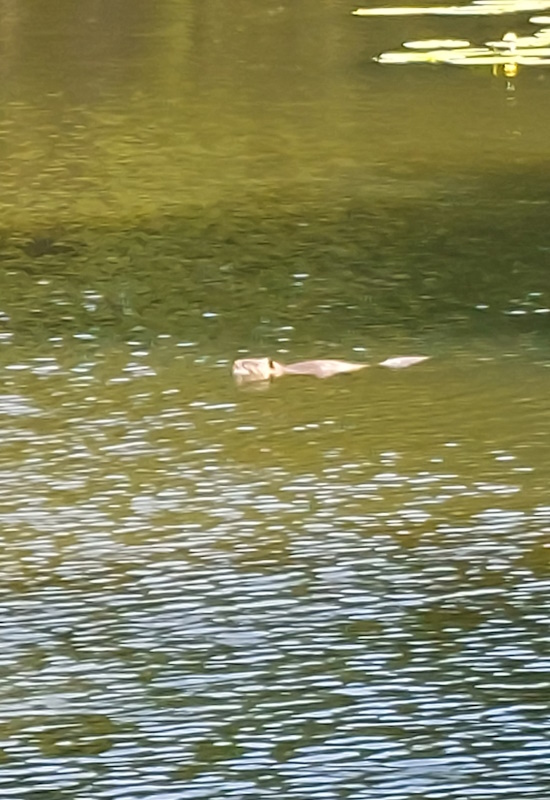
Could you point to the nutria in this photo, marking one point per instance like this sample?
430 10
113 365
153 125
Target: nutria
247 370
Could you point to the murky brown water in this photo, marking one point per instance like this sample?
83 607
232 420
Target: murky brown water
324 590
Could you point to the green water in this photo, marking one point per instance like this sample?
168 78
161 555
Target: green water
325 589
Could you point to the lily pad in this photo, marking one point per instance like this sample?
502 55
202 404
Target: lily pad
512 42
436 44
477 8
470 56
494 59
407 58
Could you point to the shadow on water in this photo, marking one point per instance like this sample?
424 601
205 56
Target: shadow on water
328 589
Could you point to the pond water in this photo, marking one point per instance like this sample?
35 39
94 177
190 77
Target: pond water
327 589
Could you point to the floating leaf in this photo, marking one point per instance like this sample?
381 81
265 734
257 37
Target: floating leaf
436 44
407 58
511 42
471 56
477 8
527 52
413 11
494 59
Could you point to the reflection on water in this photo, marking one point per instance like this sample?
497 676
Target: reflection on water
332 589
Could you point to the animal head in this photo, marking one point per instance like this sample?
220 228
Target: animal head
252 369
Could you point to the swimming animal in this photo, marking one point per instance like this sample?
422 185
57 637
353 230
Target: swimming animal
248 370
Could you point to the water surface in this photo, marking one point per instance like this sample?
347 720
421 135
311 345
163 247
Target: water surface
329 589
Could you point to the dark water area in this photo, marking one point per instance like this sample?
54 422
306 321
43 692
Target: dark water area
323 589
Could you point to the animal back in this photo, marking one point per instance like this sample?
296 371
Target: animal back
322 367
